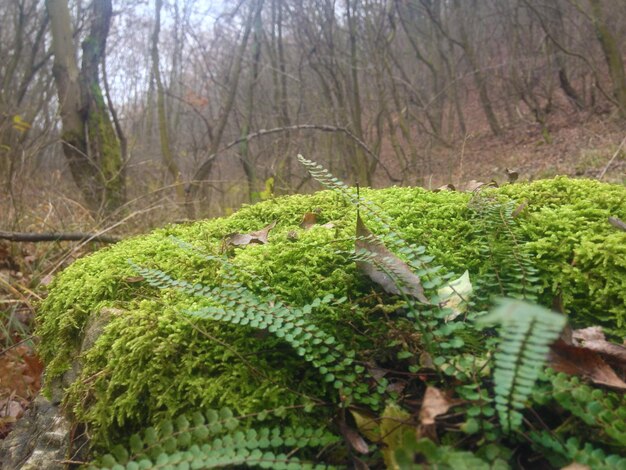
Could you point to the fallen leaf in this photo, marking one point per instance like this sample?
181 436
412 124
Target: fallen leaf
435 403
308 220
593 338
376 372
396 387
455 295
576 466
353 438
134 279
583 362
445 187
367 424
243 239
512 175
383 261
394 426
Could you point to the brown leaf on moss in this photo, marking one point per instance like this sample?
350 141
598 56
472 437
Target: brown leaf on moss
385 268
445 187
309 219
583 362
243 239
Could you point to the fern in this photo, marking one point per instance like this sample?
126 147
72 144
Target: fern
562 454
234 303
415 255
526 334
214 440
603 410
511 269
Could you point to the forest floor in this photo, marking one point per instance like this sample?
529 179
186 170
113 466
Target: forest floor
582 149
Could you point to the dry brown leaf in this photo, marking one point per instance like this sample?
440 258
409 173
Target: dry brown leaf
353 438
593 338
308 220
473 185
583 362
435 403
576 466
445 187
512 175
243 239
385 261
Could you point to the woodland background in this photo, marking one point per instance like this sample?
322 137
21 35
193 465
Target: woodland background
164 110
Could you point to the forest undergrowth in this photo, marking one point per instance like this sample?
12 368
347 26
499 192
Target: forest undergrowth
456 392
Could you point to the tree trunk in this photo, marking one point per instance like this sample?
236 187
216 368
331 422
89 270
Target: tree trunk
360 162
612 55
205 168
89 141
166 152
249 167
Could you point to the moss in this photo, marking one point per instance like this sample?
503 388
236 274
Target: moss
151 361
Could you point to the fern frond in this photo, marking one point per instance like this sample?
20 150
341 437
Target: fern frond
213 440
237 305
512 270
527 330
561 454
414 255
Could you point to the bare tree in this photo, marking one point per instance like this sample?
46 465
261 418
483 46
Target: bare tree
89 141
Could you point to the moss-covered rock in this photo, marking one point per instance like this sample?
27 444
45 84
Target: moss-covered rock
149 360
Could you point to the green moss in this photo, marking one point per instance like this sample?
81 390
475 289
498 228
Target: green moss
152 361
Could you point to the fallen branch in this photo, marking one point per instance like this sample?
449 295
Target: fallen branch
193 185
55 237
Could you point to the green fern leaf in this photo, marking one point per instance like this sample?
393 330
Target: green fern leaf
527 330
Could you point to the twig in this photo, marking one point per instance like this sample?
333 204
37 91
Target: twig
54 237
604 170
615 222
6 350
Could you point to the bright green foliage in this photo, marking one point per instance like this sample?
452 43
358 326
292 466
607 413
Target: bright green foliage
601 414
527 330
215 439
236 304
561 454
511 270
442 457
149 362
580 257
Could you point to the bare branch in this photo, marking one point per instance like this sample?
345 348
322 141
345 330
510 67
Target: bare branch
56 237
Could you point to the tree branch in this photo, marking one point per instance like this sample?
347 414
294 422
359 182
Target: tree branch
54 237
